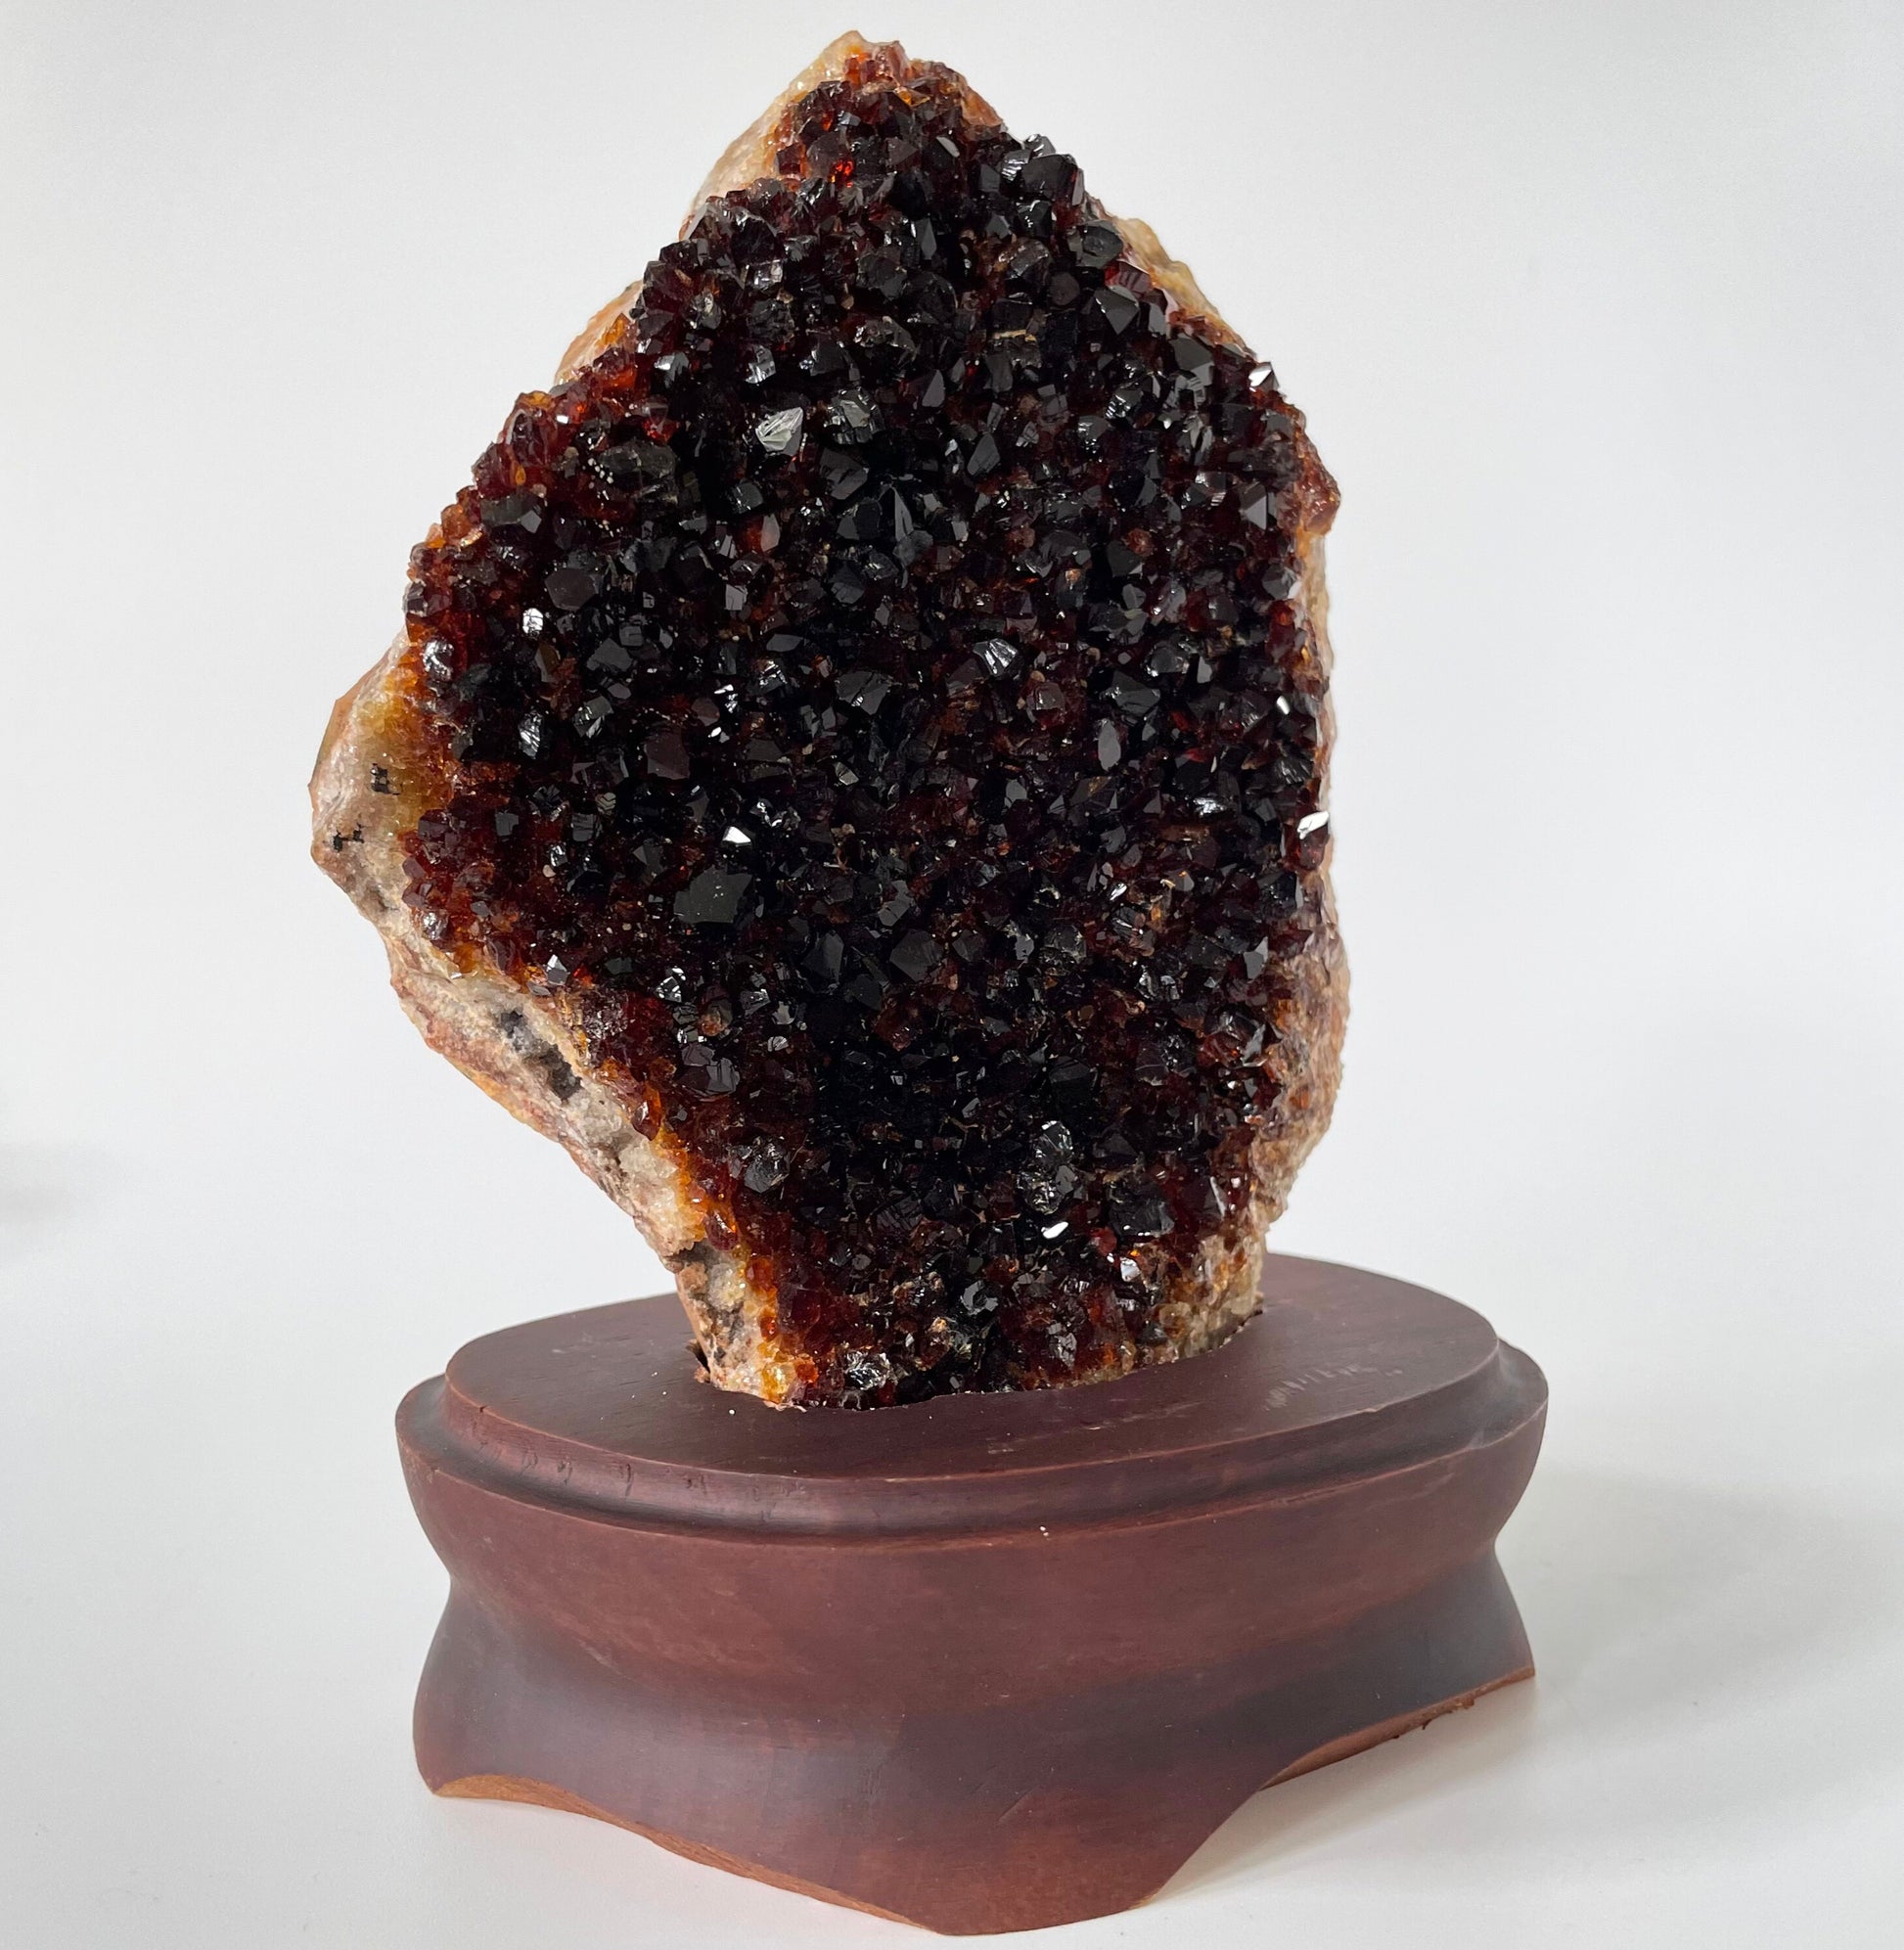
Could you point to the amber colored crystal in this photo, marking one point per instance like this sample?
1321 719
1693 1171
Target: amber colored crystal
869 690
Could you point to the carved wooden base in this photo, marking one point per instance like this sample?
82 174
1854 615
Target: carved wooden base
989 1663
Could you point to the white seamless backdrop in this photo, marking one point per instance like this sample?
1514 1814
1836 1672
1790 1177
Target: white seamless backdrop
1597 315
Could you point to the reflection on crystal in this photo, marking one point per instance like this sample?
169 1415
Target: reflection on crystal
780 432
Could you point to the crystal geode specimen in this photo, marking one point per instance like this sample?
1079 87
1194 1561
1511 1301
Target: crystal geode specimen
853 770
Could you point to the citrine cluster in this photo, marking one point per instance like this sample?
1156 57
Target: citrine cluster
875 692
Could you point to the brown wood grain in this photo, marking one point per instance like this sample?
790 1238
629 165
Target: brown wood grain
983 1663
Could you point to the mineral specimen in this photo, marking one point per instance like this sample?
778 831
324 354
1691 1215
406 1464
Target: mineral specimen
853 770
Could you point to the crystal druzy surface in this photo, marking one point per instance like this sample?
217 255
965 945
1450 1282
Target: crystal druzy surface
872 699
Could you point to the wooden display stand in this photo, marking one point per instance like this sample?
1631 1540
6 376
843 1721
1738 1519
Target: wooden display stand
987 1662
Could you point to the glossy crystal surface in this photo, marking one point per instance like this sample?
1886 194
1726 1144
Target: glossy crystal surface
869 692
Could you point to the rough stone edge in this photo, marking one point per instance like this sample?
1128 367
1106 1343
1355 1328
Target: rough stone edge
524 1050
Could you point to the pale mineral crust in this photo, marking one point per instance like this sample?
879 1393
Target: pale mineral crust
854 767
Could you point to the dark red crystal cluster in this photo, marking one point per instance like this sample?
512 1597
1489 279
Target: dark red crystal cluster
869 691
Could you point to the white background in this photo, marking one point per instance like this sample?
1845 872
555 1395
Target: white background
1598 316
